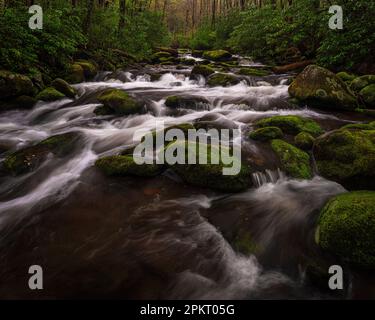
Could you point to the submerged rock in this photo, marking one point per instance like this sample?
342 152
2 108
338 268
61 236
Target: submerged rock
50 94
63 87
124 165
347 228
30 158
291 124
209 175
217 55
319 87
347 157
190 102
14 84
118 102
222 79
295 162
266 133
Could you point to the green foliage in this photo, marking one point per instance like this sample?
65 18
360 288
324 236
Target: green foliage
204 38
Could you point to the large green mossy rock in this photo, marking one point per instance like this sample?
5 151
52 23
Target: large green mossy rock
124 165
345 76
295 162
347 228
347 157
75 74
189 102
208 175
361 82
360 126
368 95
304 141
14 84
291 124
49 94
30 158
64 87
89 68
319 87
266 133
202 70
118 102
217 55
222 79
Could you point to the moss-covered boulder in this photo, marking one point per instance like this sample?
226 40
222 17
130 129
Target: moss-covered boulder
209 175
187 102
345 76
64 87
361 82
157 56
347 157
124 165
346 228
295 162
75 74
319 87
253 72
21 102
50 94
266 133
14 84
89 68
360 126
119 102
291 124
202 70
197 53
304 140
171 51
222 79
217 55
30 158
368 95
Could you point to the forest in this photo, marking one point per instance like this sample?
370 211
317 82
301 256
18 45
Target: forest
277 94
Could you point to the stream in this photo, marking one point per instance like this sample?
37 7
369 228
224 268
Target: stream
158 238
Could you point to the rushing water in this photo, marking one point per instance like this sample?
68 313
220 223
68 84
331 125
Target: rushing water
156 238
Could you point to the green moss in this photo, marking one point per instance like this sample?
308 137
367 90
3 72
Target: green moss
222 79
319 87
217 55
368 95
119 102
202 70
124 165
266 133
294 161
63 87
253 72
304 141
50 94
209 175
30 158
245 244
14 84
361 82
345 76
347 157
186 102
291 124
347 228
359 126
89 68
75 74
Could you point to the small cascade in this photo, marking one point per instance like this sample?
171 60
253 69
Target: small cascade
268 176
